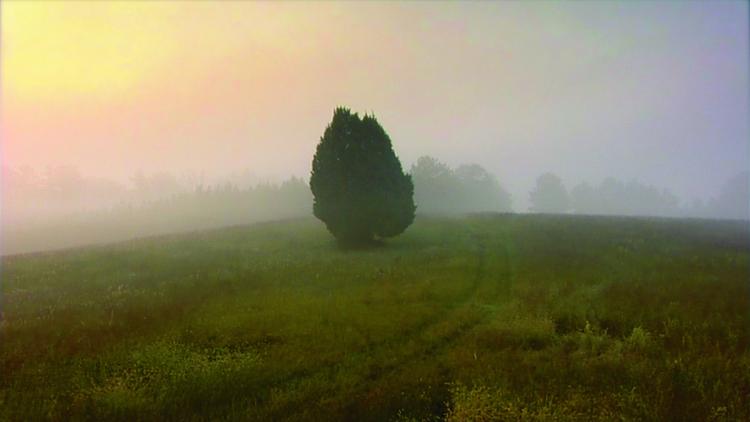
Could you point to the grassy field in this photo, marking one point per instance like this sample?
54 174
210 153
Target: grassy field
490 317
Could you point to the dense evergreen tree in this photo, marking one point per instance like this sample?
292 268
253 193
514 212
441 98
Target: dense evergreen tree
360 190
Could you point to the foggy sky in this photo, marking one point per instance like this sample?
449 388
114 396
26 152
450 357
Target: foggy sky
654 91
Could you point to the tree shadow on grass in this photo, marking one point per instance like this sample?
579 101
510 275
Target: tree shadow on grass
360 245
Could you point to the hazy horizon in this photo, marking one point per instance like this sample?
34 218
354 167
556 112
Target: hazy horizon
648 91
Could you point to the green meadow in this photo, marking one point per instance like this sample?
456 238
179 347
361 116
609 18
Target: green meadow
477 318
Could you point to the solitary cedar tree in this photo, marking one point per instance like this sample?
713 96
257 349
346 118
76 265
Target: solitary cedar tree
360 190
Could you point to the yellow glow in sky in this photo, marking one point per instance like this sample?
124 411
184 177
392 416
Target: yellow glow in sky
72 51
64 51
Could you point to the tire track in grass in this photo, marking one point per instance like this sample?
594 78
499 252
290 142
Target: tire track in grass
429 350
352 359
435 349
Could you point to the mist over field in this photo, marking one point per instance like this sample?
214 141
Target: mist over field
638 109
62 208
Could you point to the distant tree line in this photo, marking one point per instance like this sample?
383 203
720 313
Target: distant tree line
59 207
42 216
614 197
469 188
733 201
226 204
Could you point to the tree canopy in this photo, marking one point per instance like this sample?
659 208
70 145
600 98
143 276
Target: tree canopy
613 197
549 195
360 190
440 189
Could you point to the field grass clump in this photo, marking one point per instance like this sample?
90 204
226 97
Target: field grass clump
486 317
517 331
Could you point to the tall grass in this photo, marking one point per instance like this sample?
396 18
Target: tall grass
490 317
